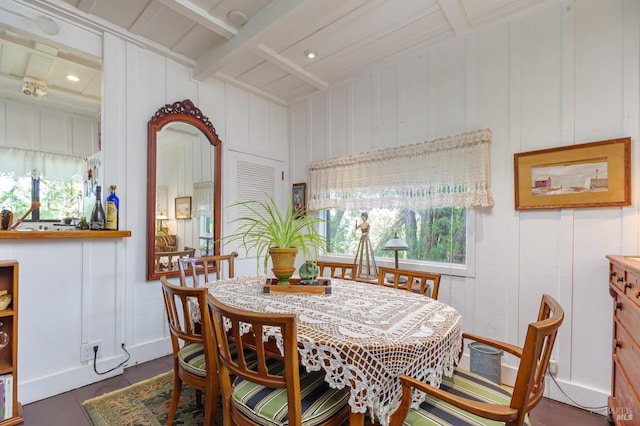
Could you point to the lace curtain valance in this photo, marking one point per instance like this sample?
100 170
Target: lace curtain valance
203 199
446 172
53 166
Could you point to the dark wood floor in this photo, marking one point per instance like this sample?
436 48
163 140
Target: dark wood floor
66 409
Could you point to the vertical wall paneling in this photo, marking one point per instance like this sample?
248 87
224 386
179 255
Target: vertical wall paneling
258 128
364 113
108 295
567 74
387 102
339 121
300 140
146 92
319 137
237 122
415 100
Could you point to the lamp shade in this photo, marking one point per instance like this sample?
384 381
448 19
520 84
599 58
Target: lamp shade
396 243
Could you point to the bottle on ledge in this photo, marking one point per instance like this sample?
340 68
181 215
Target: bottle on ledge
96 222
113 210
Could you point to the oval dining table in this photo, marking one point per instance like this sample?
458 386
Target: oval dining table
363 335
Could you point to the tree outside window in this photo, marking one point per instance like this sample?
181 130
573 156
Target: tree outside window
434 235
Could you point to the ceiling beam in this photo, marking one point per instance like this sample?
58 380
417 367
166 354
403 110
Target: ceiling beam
288 66
87 5
248 37
456 15
249 88
201 16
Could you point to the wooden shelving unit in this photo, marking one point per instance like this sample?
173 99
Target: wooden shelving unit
9 353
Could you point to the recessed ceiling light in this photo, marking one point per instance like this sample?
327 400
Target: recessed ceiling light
73 78
310 54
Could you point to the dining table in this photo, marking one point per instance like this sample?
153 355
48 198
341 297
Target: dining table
362 335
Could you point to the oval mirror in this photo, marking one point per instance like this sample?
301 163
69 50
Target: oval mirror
183 188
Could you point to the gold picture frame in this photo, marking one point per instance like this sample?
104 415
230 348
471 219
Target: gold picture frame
299 198
593 174
183 208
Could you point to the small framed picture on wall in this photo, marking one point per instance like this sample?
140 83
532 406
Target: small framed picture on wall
183 208
299 198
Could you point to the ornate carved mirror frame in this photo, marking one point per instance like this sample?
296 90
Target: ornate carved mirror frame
182 112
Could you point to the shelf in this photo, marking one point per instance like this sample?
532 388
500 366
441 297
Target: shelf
16 235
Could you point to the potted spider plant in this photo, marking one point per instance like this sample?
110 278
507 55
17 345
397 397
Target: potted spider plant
277 234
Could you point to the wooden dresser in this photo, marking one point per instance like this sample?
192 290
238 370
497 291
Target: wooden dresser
624 287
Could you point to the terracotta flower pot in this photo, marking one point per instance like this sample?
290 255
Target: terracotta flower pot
283 260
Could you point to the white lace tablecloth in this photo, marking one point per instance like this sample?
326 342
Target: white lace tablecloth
363 335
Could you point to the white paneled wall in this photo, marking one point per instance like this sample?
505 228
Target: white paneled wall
25 125
567 75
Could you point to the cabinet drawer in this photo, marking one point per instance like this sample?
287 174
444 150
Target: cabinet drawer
632 285
626 353
626 410
627 314
617 276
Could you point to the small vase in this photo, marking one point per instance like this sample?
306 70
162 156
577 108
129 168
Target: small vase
283 263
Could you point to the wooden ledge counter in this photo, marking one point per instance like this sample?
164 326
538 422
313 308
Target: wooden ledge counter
37 234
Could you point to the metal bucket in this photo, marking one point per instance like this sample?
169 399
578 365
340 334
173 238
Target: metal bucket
485 361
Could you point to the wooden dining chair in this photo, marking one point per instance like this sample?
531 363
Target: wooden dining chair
468 398
420 281
274 389
194 351
206 268
343 270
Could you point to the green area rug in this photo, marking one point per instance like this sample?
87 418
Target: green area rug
146 404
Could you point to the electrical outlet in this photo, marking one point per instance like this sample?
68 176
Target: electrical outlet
86 350
553 366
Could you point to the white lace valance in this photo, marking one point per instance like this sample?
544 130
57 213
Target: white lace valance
22 162
446 172
203 199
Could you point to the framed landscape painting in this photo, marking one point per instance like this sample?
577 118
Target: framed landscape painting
183 208
592 174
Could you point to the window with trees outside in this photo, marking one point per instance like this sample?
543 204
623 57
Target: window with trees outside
425 192
433 235
59 197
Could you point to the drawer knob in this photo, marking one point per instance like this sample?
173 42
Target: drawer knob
618 344
620 279
627 285
619 305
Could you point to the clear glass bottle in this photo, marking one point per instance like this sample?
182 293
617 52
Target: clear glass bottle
96 222
113 210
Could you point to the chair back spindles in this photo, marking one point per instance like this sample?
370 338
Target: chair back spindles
205 269
417 281
342 270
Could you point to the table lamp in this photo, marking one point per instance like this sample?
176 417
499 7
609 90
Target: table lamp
396 244
160 226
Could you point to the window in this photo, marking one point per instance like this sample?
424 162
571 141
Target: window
434 235
57 182
426 192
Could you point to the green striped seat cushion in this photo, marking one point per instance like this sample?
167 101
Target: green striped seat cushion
191 358
268 406
465 384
